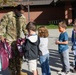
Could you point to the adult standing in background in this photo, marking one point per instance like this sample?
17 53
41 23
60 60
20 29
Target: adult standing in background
12 25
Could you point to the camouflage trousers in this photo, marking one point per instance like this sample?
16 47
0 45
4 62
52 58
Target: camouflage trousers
15 61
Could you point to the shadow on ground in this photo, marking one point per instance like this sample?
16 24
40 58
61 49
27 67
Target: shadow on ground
55 62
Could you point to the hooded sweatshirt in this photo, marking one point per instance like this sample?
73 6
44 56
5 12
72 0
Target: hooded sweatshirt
30 47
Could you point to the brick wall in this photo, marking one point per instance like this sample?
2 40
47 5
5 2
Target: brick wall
40 14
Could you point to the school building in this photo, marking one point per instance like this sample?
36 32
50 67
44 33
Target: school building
46 11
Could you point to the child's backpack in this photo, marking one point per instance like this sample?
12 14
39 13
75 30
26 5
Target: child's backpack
19 46
5 55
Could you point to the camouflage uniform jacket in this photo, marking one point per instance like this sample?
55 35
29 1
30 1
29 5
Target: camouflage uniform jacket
12 26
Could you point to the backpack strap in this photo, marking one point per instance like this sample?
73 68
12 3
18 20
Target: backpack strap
6 48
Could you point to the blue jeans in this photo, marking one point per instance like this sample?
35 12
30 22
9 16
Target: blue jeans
44 61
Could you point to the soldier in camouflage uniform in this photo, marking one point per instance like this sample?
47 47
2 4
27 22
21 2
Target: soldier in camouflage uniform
12 25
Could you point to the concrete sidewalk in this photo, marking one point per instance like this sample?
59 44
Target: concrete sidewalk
55 63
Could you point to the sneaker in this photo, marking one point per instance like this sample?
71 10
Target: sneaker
61 73
68 73
74 70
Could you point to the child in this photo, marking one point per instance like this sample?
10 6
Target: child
73 39
43 46
63 48
30 47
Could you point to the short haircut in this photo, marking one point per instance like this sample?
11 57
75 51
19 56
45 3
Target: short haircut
62 24
43 31
31 26
20 7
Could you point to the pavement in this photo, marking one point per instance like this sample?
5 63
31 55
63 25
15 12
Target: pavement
55 63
